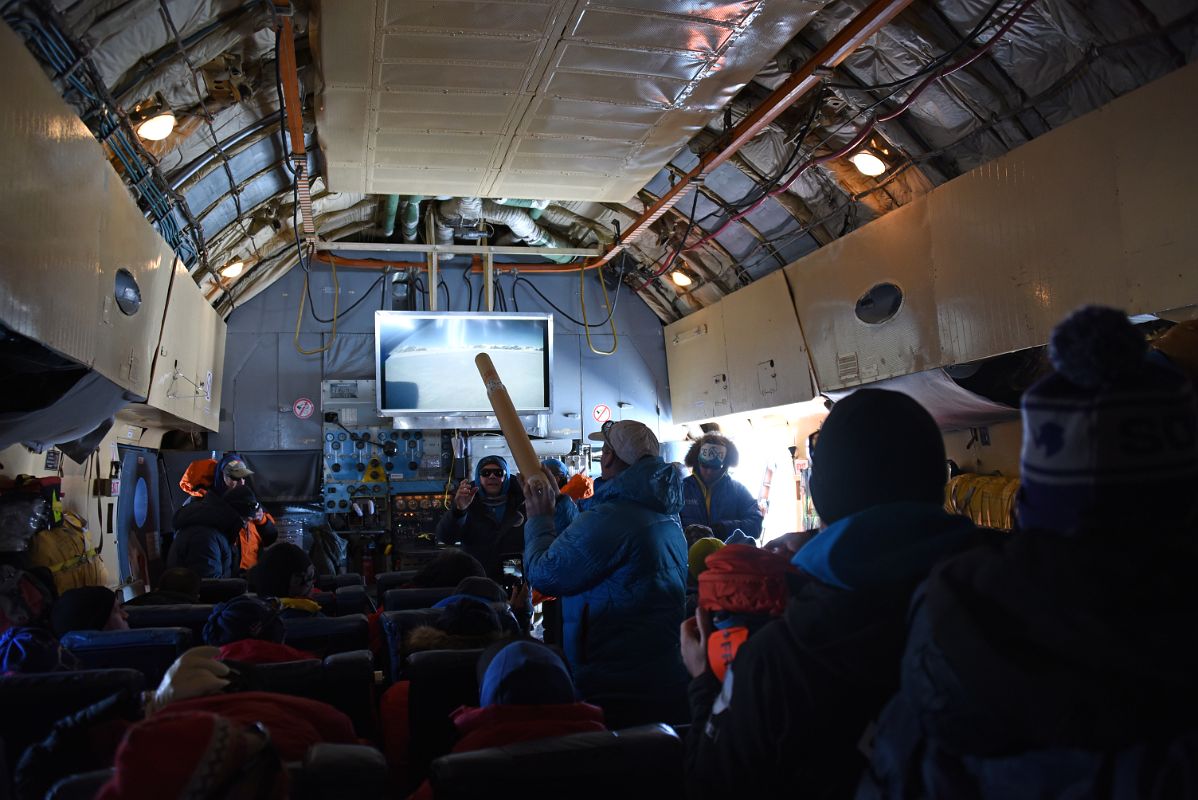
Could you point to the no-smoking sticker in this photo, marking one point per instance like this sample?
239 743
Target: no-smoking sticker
601 413
303 408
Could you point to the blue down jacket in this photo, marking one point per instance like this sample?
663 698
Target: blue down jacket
731 506
620 571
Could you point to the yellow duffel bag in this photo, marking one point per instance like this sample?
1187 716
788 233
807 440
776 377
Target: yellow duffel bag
65 552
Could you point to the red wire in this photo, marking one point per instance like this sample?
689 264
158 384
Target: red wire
861 136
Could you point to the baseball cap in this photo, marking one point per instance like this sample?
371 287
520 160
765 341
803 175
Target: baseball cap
631 440
237 469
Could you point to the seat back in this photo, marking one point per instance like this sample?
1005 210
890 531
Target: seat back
33 703
327 602
218 590
343 680
386 581
441 680
352 600
396 627
84 786
645 761
150 651
341 770
326 635
403 599
192 617
331 583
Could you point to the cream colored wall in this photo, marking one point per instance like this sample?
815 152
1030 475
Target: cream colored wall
77 483
1000 457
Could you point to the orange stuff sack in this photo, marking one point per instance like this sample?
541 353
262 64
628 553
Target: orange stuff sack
579 487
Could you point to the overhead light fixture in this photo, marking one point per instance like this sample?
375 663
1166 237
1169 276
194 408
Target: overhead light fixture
681 278
153 119
232 269
868 163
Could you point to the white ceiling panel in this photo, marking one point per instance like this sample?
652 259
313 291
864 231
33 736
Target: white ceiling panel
556 99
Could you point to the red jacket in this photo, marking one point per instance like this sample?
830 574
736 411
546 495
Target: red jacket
295 723
496 726
260 651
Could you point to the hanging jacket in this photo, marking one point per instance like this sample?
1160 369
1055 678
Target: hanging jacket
482 535
1049 666
724 506
620 571
801 691
198 477
205 537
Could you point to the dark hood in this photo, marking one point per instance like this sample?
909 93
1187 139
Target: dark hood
1049 641
211 511
650 482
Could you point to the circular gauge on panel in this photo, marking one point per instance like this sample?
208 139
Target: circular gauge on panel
330 436
336 445
341 437
413 504
426 503
365 436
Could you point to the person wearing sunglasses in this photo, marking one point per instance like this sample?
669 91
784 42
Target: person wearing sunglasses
486 516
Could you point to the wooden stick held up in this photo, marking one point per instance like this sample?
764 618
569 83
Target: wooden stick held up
509 422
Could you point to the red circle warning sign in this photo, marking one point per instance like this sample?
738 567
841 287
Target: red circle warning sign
303 408
601 413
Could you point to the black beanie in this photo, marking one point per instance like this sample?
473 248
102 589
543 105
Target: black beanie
84 609
876 447
241 499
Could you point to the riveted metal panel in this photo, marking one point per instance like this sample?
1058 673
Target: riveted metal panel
697 363
68 225
767 359
990 261
642 76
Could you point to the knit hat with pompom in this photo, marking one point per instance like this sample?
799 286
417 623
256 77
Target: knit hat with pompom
1110 440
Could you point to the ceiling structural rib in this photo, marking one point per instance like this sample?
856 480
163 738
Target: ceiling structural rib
293 110
803 80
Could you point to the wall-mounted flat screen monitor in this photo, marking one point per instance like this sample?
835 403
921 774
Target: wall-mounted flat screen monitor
425 361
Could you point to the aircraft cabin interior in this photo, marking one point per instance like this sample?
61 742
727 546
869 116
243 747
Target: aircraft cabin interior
367 282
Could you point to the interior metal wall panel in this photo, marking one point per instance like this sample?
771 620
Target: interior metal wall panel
1088 213
767 359
697 360
190 355
68 224
562 99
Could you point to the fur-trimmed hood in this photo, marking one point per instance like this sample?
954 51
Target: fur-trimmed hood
692 455
426 637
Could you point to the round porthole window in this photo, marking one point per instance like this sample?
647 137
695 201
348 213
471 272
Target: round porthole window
128 295
879 304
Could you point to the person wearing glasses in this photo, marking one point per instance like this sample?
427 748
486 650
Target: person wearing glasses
620 571
486 517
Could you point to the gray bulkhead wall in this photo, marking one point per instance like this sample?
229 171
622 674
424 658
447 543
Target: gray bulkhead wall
264 374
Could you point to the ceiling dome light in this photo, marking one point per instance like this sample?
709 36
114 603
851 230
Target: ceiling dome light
680 278
157 128
868 164
152 118
232 269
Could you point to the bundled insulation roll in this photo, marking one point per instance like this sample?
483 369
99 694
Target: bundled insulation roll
989 500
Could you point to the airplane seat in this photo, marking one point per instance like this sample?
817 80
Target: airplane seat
441 680
193 617
341 770
343 680
32 704
352 600
218 590
331 583
84 786
386 581
645 761
327 602
325 635
150 651
396 627
403 599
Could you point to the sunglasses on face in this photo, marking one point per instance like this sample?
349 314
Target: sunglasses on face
490 473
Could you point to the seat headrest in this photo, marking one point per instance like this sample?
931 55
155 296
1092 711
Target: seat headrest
191 616
404 599
646 760
218 590
396 627
331 583
353 600
84 786
393 580
325 635
151 651
344 770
